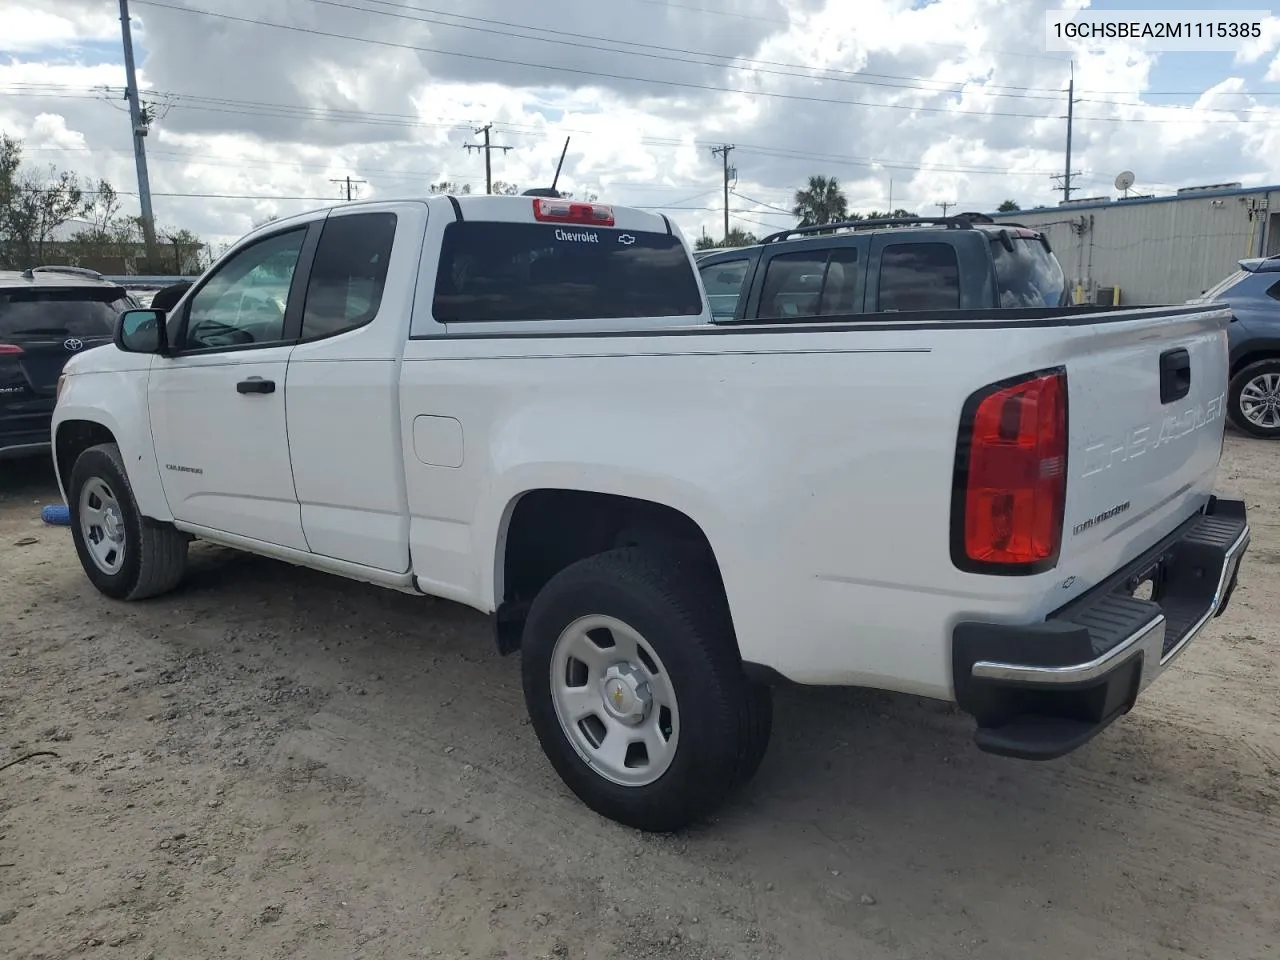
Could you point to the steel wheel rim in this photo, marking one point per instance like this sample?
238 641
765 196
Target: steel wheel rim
102 526
615 700
1260 401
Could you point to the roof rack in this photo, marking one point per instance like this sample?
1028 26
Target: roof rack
962 222
30 272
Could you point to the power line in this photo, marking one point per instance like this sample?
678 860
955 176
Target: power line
592 42
625 77
255 108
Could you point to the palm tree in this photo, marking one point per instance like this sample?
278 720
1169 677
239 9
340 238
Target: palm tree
822 201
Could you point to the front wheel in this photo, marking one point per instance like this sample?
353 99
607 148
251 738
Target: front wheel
635 689
1253 399
124 554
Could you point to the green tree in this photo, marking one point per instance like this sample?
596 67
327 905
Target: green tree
451 187
737 238
821 201
503 189
1008 206
33 205
898 214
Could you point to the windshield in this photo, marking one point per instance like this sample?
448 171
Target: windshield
62 312
532 271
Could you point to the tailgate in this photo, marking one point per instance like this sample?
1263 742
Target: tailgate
1146 413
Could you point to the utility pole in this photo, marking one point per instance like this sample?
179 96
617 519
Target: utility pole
488 148
945 206
139 124
349 182
1067 172
723 152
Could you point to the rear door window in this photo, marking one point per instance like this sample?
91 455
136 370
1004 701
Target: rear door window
723 282
61 312
918 276
812 283
495 271
1029 276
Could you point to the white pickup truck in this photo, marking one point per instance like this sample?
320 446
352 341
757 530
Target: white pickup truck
524 405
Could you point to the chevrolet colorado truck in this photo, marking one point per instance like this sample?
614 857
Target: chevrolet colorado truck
525 405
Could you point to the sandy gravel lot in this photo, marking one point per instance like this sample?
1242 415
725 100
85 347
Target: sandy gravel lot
273 763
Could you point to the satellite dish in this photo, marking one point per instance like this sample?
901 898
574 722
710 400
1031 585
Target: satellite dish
1124 180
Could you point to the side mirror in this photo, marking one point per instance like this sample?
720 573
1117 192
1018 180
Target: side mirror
141 331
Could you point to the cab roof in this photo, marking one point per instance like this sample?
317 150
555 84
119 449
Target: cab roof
495 208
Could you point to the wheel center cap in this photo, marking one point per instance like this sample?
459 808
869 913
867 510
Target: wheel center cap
625 693
111 524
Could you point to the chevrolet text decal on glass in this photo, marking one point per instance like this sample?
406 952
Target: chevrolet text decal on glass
1161 31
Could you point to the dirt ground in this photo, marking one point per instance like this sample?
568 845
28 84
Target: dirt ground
275 763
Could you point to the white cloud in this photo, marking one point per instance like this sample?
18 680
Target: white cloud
953 100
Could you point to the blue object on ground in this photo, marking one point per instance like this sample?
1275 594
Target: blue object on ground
58 514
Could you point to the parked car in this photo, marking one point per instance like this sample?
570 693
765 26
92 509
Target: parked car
47 316
1253 393
888 265
525 406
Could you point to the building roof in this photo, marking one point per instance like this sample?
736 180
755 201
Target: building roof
1135 201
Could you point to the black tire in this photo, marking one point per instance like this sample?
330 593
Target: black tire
154 553
680 611
1235 391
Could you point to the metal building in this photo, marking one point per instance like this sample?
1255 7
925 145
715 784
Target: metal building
1154 250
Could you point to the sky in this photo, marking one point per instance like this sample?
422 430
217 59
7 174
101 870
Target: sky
918 102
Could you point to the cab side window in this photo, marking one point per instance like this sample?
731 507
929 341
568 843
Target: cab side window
349 274
243 304
919 276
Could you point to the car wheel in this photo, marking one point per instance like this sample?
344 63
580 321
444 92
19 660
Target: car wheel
125 555
1254 399
636 691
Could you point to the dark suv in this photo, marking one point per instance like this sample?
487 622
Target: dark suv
1253 392
966 262
47 314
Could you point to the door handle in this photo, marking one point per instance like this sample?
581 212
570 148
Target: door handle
256 385
1175 374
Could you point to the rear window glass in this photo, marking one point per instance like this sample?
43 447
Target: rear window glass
919 276
1030 276
66 312
1222 286
534 271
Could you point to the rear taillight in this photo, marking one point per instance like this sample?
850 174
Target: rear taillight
9 350
566 211
1011 476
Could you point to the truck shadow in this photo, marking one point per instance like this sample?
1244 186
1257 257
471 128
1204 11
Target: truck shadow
864 796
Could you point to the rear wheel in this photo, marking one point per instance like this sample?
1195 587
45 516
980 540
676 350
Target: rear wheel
636 691
124 554
1254 399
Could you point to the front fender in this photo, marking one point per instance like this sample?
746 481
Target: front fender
117 401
